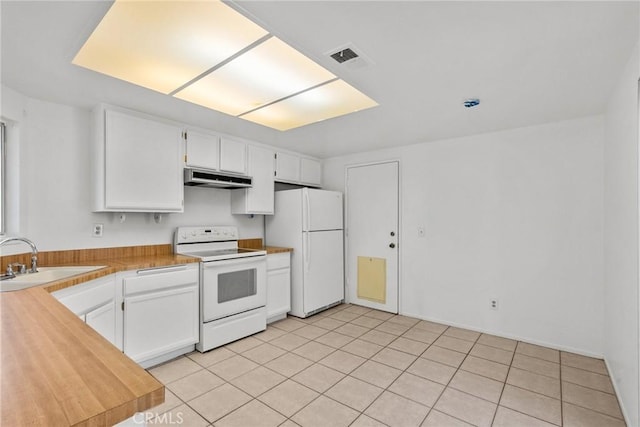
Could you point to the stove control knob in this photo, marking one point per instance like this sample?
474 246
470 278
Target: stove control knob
184 235
193 233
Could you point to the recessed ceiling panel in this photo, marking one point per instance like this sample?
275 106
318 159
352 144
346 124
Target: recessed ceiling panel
266 73
331 100
162 45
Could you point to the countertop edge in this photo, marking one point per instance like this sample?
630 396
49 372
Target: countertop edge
129 406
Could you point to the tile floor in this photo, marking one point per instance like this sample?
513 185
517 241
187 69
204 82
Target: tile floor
352 366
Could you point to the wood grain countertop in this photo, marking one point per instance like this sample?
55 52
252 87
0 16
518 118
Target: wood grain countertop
56 370
257 244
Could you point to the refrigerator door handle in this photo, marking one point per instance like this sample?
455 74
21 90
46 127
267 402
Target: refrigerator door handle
306 249
308 209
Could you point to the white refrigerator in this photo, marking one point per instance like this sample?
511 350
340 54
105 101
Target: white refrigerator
310 222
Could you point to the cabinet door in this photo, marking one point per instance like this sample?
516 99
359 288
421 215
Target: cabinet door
94 303
278 284
278 292
203 150
233 156
259 198
287 168
156 323
311 172
103 320
143 164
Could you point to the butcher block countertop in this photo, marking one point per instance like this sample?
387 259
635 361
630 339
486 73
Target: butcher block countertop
54 369
257 244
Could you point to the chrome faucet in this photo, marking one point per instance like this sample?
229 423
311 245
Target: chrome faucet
34 250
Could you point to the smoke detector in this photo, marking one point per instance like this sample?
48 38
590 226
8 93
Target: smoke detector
471 102
350 56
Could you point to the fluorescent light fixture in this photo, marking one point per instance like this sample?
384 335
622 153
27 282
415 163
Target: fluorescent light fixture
268 72
162 45
333 99
207 53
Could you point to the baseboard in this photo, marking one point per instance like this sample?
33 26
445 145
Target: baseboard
509 336
625 415
150 363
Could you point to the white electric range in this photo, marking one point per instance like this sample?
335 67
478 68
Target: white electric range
233 283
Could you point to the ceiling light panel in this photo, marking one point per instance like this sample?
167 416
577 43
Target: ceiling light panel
162 45
331 100
268 72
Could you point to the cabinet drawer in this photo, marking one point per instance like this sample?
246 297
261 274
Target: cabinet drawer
275 261
156 279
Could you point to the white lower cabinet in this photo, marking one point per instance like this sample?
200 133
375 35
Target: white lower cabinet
161 313
95 303
278 286
102 319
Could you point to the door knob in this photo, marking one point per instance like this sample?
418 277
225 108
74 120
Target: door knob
392 245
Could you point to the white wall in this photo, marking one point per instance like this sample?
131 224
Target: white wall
621 239
56 187
514 215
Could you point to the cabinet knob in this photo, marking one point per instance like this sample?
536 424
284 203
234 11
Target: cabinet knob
392 245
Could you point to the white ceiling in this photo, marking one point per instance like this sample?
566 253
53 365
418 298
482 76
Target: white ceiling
528 62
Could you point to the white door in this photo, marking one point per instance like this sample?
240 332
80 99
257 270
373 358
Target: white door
372 204
323 269
322 210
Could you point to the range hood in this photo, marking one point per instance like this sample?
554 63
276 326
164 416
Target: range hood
216 179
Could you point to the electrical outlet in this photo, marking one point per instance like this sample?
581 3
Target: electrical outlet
97 230
493 304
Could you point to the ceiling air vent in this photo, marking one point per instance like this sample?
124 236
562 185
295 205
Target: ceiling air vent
349 56
344 55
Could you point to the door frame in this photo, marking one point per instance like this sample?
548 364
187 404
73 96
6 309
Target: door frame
400 235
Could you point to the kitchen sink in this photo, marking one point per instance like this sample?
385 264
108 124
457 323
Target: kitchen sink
44 275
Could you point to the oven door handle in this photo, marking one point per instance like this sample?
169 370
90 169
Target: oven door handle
233 261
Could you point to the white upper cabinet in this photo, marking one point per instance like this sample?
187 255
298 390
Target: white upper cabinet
310 172
137 162
293 169
287 168
259 198
233 156
202 149
207 150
